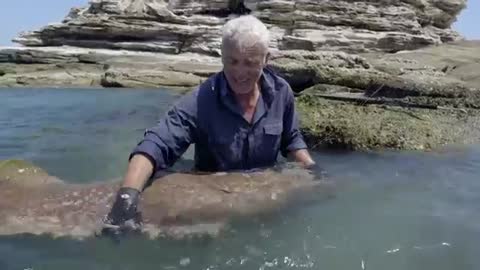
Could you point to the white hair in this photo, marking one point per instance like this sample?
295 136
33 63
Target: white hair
244 32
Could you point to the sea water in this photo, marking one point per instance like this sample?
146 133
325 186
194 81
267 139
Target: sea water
391 210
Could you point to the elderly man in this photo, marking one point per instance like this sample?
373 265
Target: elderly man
239 119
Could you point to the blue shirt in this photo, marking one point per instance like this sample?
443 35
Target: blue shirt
211 119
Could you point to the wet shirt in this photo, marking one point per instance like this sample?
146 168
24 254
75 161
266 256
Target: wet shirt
211 119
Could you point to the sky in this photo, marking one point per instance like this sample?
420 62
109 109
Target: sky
24 15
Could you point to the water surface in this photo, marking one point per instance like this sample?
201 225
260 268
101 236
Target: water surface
77 134
393 210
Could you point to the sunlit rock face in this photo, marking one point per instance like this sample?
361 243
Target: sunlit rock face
194 26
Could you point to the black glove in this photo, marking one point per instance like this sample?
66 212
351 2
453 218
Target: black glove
123 215
317 171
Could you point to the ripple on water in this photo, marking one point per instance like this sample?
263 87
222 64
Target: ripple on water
404 210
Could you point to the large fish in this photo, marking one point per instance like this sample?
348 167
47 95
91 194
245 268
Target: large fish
176 204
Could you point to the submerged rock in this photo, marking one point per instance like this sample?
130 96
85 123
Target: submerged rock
175 205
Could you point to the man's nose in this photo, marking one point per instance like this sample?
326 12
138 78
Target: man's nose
241 71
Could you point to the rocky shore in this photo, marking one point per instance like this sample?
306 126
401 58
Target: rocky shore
368 74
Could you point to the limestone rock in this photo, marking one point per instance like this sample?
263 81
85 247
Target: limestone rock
149 79
198 6
459 60
391 76
68 66
194 26
126 6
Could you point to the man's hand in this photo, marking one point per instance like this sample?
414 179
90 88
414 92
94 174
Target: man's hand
317 171
123 215
302 157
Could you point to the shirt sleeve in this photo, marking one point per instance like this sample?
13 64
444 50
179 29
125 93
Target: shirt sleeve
166 142
292 138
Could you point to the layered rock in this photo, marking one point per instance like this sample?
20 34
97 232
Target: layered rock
68 66
194 26
411 100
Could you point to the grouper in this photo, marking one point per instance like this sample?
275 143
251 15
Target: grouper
175 204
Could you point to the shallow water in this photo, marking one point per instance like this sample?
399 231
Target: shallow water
393 210
77 134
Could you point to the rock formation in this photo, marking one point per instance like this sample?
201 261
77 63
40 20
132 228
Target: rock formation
194 26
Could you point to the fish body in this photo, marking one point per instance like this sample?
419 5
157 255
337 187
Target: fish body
175 204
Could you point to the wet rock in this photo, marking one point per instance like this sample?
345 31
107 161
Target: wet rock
349 120
24 174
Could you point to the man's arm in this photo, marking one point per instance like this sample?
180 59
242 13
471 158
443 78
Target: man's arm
303 157
139 170
163 144
293 145
160 148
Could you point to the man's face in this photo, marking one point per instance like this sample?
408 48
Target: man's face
243 68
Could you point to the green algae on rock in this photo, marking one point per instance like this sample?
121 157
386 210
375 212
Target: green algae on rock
340 124
346 101
24 173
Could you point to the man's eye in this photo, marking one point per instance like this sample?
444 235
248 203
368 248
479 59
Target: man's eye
253 64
